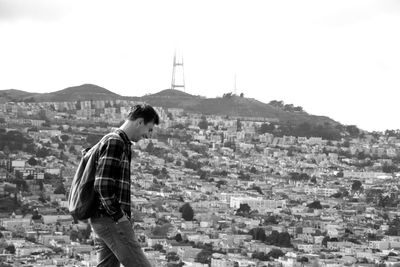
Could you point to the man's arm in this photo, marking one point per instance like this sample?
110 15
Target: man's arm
107 172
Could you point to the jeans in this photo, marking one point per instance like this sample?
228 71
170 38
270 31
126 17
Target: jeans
116 243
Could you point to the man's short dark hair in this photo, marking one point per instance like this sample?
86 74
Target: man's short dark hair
144 111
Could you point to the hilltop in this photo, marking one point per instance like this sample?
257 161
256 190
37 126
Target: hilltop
231 106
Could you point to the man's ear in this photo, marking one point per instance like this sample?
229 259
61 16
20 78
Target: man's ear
140 121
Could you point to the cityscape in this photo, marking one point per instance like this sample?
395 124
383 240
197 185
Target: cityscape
207 189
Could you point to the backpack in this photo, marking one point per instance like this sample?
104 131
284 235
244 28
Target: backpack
82 197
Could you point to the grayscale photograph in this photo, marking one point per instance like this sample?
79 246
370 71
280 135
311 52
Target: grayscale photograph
199 133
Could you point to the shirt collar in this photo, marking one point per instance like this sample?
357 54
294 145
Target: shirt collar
123 136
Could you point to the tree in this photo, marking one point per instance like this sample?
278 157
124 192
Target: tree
10 249
315 205
258 189
244 176
36 215
203 124
191 164
275 253
325 241
158 247
279 239
58 249
238 125
43 152
150 148
32 161
30 239
394 227
303 259
21 184
288 107
227 95
60 190
277 104
172 256
352 130
387 168
72 149
156 172
162 230
340 174
164 172
337 195
244 208
64 137
298 109
270 220
178 237
253 169
220 183
356 186
204 256
187 212
258 234
203 175
266 128
284 240
260 256
74 235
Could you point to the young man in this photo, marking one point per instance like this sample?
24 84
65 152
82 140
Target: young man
114 238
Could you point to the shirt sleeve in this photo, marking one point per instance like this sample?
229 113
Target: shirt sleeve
107 172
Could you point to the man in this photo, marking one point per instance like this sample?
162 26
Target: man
114 238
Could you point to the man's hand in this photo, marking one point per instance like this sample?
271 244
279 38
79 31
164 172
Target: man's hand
123 219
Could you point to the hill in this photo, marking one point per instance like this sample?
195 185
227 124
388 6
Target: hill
75 93
230 106
13 95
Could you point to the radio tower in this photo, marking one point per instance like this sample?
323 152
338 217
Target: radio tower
178 76
235 89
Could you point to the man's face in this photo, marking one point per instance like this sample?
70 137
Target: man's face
144 131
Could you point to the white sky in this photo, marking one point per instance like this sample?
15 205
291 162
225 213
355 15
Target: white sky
337 58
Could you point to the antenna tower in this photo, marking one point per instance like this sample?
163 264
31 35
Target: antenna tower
235 89
178 76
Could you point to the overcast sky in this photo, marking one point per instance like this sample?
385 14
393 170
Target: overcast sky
335 58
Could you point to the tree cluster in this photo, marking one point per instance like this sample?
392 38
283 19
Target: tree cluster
14 141
305 129
274 253
295 176
228 95
286 107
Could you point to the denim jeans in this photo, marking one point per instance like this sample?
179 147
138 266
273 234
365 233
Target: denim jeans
116 243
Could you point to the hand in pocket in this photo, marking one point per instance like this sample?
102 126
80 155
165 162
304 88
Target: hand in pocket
123 219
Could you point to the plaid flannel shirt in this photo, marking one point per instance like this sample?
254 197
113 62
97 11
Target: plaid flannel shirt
112 182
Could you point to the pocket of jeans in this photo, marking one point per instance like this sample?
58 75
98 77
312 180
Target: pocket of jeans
100 226
127 235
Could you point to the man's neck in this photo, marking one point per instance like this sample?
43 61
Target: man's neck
128 127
